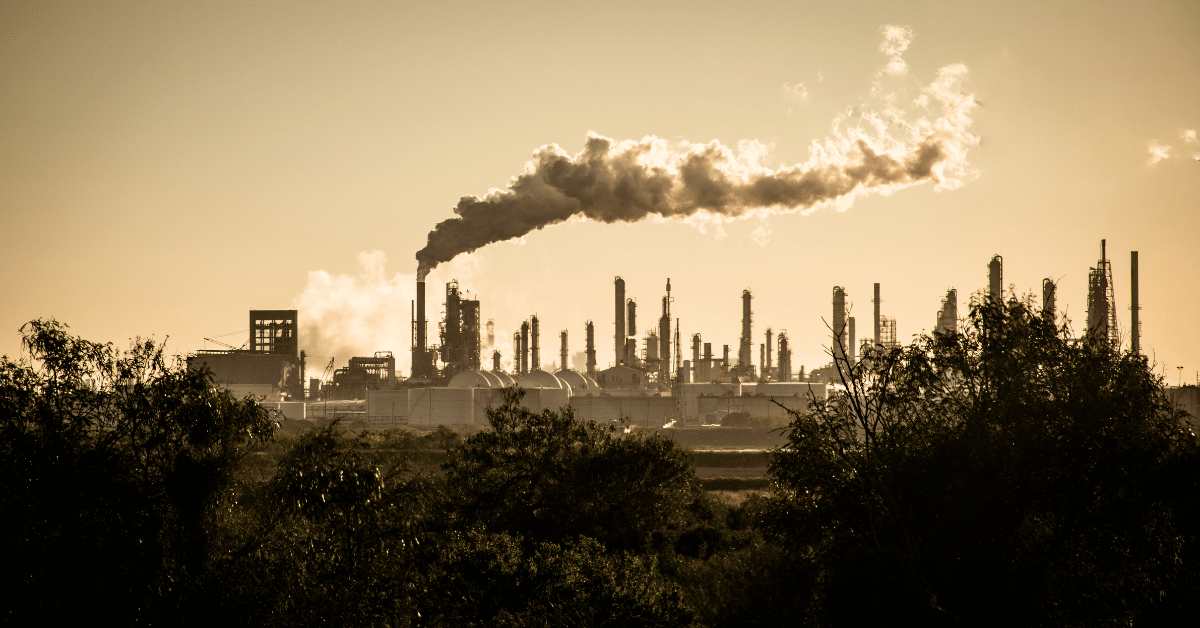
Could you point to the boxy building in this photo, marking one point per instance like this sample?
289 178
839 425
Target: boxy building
272 367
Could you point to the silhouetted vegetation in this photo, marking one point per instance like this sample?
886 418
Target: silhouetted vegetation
1007 475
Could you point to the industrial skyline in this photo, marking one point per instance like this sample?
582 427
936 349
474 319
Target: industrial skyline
166 169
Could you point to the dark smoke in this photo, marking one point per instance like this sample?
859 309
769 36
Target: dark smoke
629 181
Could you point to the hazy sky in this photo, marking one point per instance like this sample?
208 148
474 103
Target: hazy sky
167 166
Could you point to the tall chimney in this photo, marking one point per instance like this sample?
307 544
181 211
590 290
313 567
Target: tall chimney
853 349
619 319
562 352
631 307
876 302
421 330
535 349
517 352
1048 300
996 278
525 347
838 344
770 366
491 333
785 358
745 359
495 360
1135 325
591 350
420 357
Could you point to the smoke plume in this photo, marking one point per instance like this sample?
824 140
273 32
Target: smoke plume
628 181
346 315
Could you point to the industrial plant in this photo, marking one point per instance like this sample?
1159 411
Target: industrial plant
648 381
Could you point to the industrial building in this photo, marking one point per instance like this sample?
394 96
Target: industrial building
273 366
947 318
647 381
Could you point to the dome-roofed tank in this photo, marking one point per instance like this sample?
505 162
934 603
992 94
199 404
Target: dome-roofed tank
591 382
573 379
469 379
493 381
537 378
506 380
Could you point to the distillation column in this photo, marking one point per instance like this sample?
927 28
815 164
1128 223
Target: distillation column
745 359
619 321
1135 324
838 345
591 349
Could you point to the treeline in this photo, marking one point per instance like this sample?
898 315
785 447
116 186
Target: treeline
1007 475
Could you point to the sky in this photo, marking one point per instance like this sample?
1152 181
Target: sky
167 166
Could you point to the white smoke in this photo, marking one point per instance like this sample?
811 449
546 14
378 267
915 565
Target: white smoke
797 92
628 181
346 315
895 41
1158 152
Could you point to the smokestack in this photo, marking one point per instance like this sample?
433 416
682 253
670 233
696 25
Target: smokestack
420 358
877 320
591 350
762 359
421 330
839 325
767 371
996 278
853 357
947 321
525 347
562 352
664 337
745 359
619 318
631 306
1135 331
785 358
536 348
495 360
1048 300
695 349
725 359
491 333
517 352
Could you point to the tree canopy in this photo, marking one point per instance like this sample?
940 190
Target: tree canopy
1006 475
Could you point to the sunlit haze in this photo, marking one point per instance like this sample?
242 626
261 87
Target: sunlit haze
166 167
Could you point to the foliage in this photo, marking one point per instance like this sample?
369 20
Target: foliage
484 579
547 477
338 535
1007 475
114 465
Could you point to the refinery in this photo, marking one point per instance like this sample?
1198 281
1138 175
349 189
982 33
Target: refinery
656 378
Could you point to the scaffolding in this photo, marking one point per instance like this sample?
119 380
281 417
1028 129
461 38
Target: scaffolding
1102 310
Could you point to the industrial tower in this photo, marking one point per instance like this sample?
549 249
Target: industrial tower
838 345
1102 310
745 347
947 320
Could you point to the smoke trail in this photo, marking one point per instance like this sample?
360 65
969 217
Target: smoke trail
628 181
346 315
